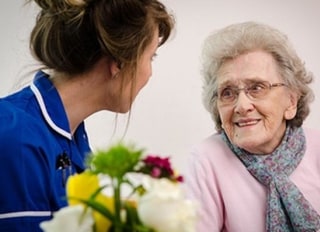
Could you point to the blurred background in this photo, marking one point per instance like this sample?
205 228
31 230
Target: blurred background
168 117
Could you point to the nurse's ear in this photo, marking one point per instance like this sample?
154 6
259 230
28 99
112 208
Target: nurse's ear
292 108
115 68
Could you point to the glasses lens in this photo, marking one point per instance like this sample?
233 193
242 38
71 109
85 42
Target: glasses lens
227 94
258 89
254 90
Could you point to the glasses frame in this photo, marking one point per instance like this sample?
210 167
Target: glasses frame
247 90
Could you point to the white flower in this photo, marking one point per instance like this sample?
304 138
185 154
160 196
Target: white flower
70 218
164 208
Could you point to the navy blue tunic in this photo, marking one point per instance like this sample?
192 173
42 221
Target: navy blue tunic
37 154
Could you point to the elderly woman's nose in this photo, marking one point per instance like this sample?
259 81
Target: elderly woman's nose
243 103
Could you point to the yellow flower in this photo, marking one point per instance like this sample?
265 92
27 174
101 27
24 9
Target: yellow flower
82 186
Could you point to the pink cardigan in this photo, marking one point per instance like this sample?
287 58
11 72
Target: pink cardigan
229 198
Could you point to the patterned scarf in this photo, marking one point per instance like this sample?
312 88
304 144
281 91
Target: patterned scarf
287 209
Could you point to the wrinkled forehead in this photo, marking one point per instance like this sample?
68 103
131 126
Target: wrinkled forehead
252 65
239 83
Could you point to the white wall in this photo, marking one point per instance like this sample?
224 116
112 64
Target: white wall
168 117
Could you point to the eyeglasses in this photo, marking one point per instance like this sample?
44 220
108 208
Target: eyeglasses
257 90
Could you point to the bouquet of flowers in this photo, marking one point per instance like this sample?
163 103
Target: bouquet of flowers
155 204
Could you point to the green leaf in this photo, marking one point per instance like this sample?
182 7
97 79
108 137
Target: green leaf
132 217
94 194
98 207
133 222
116 161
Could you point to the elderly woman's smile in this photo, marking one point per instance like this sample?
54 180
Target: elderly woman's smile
246 122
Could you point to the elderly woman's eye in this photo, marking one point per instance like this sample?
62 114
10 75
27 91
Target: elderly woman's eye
227 93
257 87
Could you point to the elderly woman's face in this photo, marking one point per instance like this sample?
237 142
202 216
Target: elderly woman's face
255 118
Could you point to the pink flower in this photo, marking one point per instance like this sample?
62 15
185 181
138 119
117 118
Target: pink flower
159 167
156 172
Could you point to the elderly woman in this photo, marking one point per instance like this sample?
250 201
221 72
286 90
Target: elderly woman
261 170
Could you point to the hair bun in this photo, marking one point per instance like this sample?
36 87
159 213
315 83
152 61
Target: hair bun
78 3
60 4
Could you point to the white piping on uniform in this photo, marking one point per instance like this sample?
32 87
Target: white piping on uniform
25 214
46 115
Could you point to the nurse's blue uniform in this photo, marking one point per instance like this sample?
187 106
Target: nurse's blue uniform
37 154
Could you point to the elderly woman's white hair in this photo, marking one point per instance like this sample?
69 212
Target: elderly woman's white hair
241 38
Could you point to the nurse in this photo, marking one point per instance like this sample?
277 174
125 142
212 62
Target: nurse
97 55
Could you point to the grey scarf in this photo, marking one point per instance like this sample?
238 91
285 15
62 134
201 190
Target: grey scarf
287 209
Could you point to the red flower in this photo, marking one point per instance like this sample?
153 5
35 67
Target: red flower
159 167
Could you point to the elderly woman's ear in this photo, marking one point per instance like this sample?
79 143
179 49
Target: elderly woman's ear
291 111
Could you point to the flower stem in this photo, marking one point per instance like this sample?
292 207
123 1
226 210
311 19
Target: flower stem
117 205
